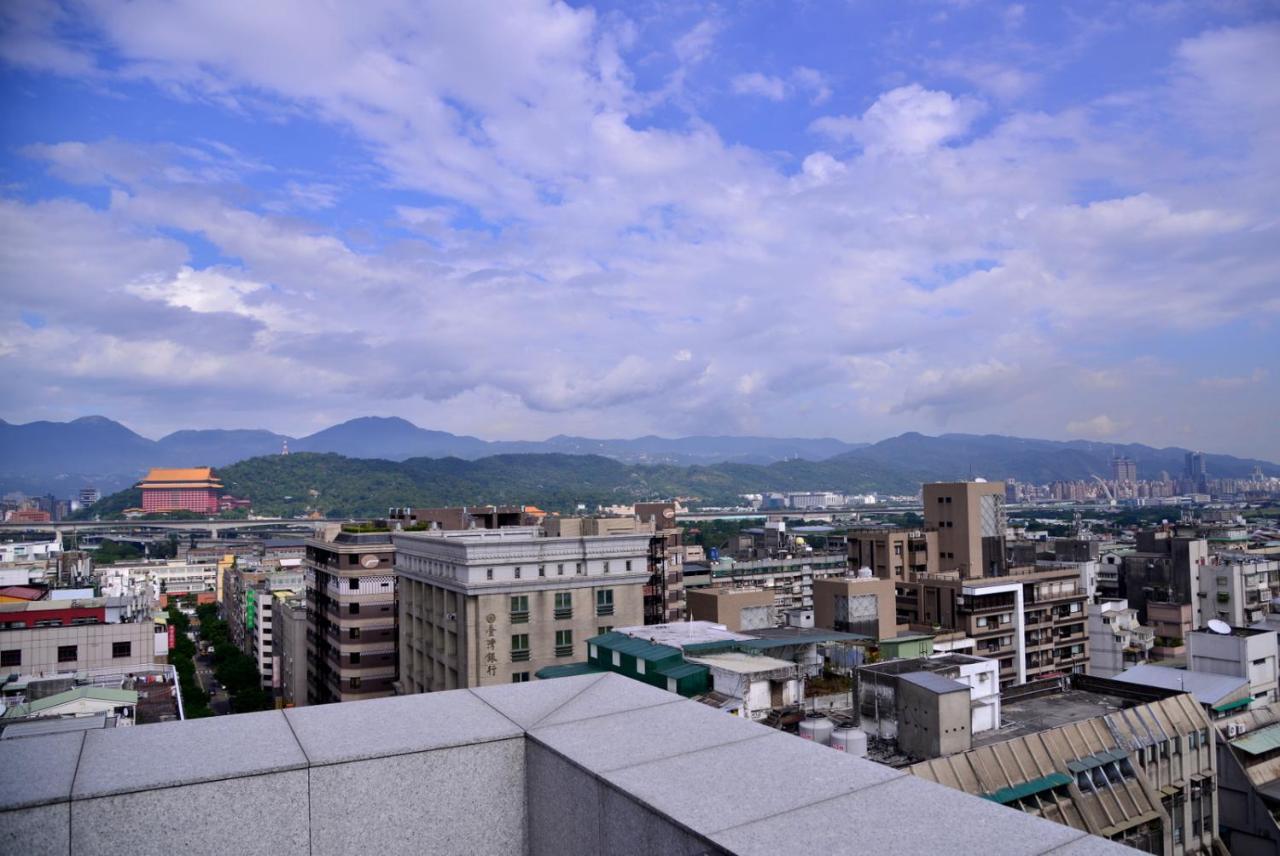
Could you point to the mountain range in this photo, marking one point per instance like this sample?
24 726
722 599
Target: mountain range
61 457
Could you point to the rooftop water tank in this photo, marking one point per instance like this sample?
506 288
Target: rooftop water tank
850 740
818 729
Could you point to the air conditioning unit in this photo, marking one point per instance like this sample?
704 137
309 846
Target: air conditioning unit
1233 729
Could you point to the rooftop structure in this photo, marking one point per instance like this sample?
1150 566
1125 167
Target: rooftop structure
1142 776
587 765
1218 694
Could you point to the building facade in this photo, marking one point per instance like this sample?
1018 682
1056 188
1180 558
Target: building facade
352 616
969 518
1116 640
192 489
893 553
1033 622
482 607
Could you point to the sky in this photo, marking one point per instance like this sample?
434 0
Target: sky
517 219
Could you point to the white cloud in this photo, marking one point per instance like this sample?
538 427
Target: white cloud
908 120
755 83
801 80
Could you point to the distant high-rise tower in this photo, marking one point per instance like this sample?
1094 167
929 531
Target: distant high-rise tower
1195 471
1124 469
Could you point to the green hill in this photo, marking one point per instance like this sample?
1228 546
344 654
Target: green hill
289 485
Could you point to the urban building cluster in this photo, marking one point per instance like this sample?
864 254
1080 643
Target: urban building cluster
1124 485
1124 688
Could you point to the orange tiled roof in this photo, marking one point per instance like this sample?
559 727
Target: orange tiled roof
159 474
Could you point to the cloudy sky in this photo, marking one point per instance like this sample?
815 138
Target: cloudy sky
514 219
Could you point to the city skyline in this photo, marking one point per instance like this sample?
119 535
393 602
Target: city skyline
612 220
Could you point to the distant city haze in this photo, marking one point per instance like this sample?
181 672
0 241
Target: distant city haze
843 220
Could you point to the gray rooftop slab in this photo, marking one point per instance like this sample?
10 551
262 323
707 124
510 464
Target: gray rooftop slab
395 726
800 772
606 743
38 770
1090 845
525 704
880 819
123 760
37 831
609 694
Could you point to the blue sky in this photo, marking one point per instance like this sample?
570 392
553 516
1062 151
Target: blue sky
846 219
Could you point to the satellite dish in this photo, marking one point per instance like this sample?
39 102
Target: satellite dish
1219 627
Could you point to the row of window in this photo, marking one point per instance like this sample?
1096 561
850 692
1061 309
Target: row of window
563 605
563 644
542 570
66 653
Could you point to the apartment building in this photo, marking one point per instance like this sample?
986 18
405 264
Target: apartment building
1164 568
1117 641
352 613
894 553
664 595
489 606
1032 621
1236 588
969 518
289 666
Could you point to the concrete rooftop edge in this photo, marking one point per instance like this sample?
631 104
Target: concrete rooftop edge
725 784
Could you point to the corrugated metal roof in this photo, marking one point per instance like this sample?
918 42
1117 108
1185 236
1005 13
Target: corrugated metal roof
641 649
1259 742
103 694
682 670
1004 768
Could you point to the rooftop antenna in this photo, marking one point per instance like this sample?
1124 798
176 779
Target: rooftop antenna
285 449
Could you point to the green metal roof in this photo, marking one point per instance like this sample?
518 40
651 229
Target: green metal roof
1233 705
96 693
1004 796
567 670
1259 742
682 670
641 649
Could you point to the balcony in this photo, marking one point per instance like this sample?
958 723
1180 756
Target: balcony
564 650
564 613
498 783
520 656
520 617
604 609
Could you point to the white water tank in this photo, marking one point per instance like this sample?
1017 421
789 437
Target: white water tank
850 740
818 729
865 573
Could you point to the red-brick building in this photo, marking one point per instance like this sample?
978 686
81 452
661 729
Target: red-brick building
193 489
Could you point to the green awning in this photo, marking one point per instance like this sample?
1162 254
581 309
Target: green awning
1004 796
1233 705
